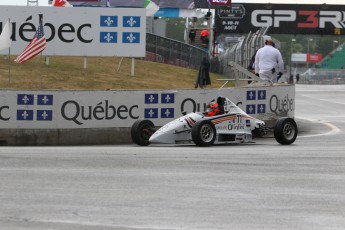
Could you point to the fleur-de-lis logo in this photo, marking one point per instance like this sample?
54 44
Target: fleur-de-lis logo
25 115
131 22
26 99
108 38
131 38
109 21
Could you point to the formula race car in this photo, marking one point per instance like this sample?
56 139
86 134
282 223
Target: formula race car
222 122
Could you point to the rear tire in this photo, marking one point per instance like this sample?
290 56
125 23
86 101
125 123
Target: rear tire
285 131
204 133
141 132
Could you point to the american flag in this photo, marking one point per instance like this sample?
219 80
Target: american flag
35 47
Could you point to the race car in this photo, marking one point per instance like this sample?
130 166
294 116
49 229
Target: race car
222 122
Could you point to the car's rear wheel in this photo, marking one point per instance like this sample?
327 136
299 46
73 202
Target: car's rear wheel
204 133
141 132
285 131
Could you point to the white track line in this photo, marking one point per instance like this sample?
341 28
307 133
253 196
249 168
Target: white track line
334 130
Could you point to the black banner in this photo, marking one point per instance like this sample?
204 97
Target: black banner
281 19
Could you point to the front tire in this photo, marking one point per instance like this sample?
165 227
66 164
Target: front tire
204 133
141 132
285 131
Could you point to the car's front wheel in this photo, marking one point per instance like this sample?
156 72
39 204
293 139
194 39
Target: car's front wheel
285 131
204 133
141 132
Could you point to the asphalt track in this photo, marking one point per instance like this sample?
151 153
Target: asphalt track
254 186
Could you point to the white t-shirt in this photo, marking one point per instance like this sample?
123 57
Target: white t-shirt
268 58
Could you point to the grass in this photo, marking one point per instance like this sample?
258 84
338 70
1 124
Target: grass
67 73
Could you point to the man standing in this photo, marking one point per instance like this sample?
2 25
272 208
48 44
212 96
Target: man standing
269 62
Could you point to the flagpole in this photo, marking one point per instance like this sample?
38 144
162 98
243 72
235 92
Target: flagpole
9 66
40 19
9 56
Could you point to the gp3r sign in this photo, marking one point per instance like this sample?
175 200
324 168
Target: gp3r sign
282 19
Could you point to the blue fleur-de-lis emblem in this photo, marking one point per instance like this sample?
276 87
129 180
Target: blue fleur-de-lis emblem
131 38
108 37
109 21
131 21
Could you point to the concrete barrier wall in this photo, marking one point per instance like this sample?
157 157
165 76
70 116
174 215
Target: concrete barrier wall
105 117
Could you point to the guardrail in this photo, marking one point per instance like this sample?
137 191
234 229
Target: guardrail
323 76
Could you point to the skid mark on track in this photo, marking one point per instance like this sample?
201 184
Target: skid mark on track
333 130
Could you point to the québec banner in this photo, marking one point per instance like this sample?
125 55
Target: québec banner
79 31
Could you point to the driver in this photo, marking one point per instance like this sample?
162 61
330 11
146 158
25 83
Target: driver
213 109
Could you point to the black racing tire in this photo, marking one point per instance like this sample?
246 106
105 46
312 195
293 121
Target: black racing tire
204 133
285 131
141 132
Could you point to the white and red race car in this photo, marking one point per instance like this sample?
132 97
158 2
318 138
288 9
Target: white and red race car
231 125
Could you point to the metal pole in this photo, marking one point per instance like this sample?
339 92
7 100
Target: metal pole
118 67
85 63
292 40
9 65
133 67
211 38
309 39
186 37
9 55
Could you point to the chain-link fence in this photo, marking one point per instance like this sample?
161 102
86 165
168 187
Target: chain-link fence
240 50
169 51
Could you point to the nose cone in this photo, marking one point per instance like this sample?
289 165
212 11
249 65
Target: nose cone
159 137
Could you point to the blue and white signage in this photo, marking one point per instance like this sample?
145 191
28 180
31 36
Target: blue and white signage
108 37
104 109
151 113
130 21
79 31
251 95
131 37
167 112
45 99
260 97
261 94
109 21
44 115
261 108
167 98
151 98
250 109
25 99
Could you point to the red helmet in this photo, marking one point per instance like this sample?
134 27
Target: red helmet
212 108
204 33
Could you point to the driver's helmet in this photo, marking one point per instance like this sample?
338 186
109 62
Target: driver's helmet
212 108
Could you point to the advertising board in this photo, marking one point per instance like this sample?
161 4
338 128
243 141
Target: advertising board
79 31
106 109
281 18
